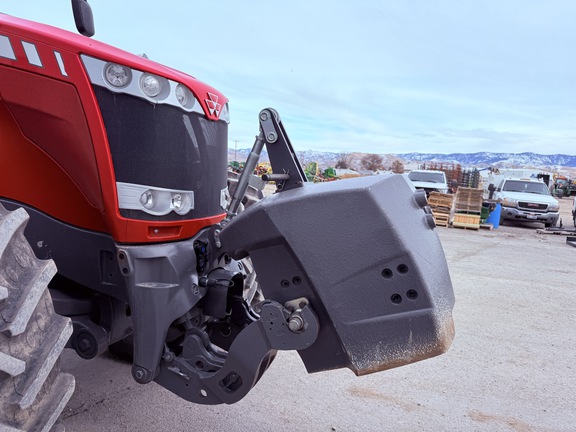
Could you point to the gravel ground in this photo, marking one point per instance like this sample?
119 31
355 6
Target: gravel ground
511 366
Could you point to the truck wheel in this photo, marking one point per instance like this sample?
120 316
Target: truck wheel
33 391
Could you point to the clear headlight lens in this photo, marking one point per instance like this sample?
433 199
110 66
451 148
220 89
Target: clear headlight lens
117 75
554 207
185 97
147 199
182 94
509 202
150 85
181 203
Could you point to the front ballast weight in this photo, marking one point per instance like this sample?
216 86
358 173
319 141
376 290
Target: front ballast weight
365 254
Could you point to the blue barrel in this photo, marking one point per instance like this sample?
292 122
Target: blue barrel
494 216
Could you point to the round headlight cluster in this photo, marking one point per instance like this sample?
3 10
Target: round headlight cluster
154 88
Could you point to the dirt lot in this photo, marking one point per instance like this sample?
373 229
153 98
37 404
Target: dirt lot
511 366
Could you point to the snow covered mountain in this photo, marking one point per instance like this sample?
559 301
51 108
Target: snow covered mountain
467 160
495 159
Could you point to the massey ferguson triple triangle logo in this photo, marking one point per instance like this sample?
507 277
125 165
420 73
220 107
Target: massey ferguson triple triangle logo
212 103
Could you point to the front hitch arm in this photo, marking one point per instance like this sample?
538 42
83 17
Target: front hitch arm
203 374
288 172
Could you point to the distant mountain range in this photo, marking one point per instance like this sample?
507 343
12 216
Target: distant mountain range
495 159
467 160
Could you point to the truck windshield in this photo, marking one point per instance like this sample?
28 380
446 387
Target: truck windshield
422 176
524 186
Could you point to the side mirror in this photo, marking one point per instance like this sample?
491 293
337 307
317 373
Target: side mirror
83 17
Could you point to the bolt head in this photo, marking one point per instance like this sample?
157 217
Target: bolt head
296 324
271 137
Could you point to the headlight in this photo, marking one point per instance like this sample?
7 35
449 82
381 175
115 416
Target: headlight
117 75
184 96
150 85
147 199
155 201
181 202
554 207
181 94
509 202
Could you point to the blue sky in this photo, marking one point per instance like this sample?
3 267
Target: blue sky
383 76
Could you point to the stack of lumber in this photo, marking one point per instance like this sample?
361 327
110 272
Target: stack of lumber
468 208
441 205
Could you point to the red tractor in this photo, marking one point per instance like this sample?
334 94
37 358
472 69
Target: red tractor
114 168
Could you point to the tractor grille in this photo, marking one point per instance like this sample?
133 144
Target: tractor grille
163 146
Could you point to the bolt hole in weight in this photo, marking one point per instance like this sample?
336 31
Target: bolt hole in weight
412 294
387 273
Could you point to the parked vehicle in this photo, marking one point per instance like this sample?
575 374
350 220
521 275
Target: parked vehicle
527 200
429 180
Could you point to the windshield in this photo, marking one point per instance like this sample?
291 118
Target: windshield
525 186
422 176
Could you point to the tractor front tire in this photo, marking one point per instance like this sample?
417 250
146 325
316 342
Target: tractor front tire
33 390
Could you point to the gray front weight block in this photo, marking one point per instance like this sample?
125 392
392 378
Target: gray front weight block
364 252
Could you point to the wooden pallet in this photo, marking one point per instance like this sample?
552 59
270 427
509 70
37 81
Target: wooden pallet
441 219
466 220
437 199
441 205
468 200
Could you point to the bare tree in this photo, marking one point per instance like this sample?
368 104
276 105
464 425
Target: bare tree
344 161
397 167
371 162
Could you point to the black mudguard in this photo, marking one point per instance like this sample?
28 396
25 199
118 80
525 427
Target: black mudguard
365 254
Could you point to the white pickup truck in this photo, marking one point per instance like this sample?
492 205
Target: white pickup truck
527 199
429 180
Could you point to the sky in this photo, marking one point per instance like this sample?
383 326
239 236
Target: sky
382 76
